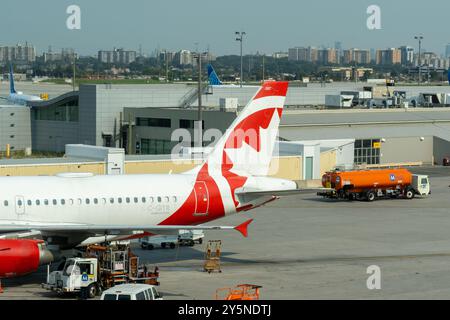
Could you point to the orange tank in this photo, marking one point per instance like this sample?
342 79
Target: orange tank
361 180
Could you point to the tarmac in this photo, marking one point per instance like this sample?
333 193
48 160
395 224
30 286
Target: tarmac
306 247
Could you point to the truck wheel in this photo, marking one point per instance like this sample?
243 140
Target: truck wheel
150 247
409 194
191 243
91 291
351 197
99 290
163 245
172 245
200 241
370 196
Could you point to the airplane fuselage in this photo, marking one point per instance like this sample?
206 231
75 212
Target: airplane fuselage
19 98
125 199
153 199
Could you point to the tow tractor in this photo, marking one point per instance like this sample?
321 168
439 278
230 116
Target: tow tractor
101 268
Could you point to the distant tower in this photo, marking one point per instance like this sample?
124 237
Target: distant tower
447 51
339 52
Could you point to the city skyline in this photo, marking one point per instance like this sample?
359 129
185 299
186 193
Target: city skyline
157 25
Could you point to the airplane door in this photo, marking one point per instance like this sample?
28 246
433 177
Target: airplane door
20 205
202 198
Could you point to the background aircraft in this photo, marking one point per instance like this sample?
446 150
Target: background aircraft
18 97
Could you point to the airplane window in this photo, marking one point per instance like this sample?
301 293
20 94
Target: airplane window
174 198
55 202
87 201
29 202
19 202
71 202
46 202
143 199
104 200
151 199
95 200
119 200
111 200
127 199
5 203
166 199
38 202
136 200
63 201
79 201
159 199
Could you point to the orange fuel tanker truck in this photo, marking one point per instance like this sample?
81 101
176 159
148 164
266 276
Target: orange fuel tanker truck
371 184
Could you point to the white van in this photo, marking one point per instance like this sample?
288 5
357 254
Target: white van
132 291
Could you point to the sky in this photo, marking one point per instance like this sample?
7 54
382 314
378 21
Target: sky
270 25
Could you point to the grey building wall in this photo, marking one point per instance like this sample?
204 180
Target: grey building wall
441 149
407 149
15 127
54 135
87 116
364 124
112 99
212 120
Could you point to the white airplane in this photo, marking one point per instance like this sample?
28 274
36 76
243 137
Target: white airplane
73 209
18 97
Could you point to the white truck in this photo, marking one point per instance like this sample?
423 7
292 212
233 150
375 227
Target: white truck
421 185
161 241
190 237
184 238
79 275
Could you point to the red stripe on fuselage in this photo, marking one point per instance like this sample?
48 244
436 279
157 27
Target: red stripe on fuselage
185 215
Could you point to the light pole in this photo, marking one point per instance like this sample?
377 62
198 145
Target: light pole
420 38
240 37
198 56
73 75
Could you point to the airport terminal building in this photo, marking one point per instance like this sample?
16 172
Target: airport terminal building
142 119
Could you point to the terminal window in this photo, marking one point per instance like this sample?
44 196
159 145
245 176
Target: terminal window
367 151
189 124
153 122
156 146
66 112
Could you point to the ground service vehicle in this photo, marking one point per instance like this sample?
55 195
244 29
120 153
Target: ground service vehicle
79 275
102 267
240 292
370 184
190 237
162 241
132 291
184 238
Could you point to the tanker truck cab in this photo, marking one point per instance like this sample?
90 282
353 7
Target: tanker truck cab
78 275
421 185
